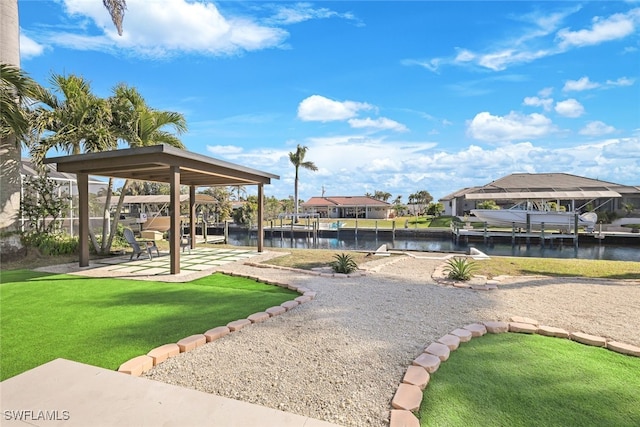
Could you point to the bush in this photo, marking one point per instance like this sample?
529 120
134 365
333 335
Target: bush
53 243
344 263
459 268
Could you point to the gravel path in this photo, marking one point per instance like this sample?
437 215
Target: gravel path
341 357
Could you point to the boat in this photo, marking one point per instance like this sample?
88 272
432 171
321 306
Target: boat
535 214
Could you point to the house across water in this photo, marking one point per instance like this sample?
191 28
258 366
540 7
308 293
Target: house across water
347 207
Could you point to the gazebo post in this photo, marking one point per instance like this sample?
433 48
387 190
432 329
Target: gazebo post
192 216
260 217
83 218
174 223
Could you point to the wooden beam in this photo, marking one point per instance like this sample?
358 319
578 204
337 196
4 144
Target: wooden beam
174 224
260 217
83 218
192 216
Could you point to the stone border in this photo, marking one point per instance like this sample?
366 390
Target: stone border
408 396
141 364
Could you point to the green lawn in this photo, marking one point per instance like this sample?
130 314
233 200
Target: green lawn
524 380
105 322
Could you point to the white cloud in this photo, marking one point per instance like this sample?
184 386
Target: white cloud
381 123
299 12
537 40
319 108
581 84
622 81
615 27
569 108
535 101
546 92
224 150
596 128
401 167
512 127
171 27
29 48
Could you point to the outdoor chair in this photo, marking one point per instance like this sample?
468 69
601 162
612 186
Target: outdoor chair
185 240
140 246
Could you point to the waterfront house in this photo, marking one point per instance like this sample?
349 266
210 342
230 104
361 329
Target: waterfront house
569 190
347 207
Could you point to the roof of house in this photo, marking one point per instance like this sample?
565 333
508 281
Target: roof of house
345 201
545 185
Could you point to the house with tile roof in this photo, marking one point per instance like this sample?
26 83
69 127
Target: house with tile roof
563 188
347 207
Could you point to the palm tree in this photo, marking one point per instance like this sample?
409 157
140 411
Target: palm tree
9 150
139 126
297 159
10 243
116 10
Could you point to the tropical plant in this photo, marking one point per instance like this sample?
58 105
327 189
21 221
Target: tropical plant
488 204
42 205
460 268
435 209
139 126
344 263
17 90
628 208
297 159
247 214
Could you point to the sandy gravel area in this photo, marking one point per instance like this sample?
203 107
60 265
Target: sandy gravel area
341 357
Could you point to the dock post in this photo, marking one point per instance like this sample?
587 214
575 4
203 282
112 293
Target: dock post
484 234
528 230
393 229
356 227
575 230
542 234
226 232
513 234
204 229
281 229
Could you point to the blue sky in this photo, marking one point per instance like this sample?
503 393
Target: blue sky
391 96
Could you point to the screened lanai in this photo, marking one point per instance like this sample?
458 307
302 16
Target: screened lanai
160 163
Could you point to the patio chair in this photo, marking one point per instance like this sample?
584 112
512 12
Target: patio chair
140 246
185 240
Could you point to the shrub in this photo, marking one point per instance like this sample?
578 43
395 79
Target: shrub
52 243
344 263
459 268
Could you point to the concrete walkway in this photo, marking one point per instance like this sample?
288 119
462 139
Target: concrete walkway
69 394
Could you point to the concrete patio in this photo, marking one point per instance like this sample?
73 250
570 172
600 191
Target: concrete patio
66 393
196 263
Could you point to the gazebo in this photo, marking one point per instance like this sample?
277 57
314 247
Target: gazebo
160 163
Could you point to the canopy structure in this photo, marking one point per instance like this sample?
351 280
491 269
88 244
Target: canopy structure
160 163
549 195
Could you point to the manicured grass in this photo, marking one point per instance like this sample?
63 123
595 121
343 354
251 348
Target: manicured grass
525 380
104 322
514 266
307 259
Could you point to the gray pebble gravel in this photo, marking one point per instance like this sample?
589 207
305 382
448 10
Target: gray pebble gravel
340 357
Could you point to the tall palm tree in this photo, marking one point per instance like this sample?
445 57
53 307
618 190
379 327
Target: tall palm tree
10 243
9 149
297 159
138 125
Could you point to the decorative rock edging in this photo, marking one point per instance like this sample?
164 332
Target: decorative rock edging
408 396
141 364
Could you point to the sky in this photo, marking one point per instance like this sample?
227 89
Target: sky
389 96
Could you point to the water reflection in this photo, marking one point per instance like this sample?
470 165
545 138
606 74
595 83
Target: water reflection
566 250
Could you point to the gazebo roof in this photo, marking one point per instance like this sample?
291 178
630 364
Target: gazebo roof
155 163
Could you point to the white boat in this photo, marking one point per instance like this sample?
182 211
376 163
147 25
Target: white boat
535 214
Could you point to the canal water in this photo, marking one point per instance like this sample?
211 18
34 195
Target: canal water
443 244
